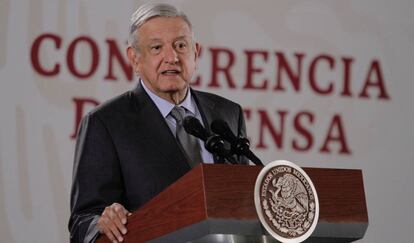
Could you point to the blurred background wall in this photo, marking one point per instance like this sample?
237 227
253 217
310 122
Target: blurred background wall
322 83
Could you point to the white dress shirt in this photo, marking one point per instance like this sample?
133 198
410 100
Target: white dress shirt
191 108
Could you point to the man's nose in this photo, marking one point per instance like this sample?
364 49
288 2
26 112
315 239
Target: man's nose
170 55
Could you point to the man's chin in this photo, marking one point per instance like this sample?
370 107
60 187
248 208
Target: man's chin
172 80
175 89
175 86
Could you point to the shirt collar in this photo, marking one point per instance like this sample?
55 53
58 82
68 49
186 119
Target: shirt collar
165 106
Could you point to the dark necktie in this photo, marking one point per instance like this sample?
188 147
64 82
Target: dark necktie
188 142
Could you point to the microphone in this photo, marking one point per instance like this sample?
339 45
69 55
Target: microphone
239 145
212 142
193 126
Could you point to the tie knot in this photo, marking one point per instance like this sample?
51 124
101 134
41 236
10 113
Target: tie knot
178 113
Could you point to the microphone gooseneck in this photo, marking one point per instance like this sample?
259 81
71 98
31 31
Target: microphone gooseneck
239 145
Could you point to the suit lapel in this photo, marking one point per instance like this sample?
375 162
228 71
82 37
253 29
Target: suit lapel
153 126
206 108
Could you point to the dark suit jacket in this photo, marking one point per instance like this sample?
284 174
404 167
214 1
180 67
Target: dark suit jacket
126 153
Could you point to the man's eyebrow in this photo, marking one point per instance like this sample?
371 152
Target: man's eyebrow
183 37
155 39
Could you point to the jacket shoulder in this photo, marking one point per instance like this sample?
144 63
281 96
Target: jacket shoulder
217 99
114 106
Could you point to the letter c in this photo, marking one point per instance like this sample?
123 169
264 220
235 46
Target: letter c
34 54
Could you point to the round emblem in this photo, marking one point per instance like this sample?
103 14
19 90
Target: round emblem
286 201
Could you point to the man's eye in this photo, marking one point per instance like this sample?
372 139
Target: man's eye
181 46
156 48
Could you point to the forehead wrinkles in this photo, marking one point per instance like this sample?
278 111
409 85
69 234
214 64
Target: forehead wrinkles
179 38
164 28
161 36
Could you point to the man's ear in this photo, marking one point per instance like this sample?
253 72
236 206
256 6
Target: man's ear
197 52
133 58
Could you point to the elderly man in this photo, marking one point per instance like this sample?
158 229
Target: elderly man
130 148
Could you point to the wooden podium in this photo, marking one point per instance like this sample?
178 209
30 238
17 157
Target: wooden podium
215 203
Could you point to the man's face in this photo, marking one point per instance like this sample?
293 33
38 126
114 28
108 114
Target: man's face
167 56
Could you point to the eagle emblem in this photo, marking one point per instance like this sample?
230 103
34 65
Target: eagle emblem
287 202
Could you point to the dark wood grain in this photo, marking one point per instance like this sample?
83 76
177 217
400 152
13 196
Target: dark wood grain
179 205
230 191
226 192
341 194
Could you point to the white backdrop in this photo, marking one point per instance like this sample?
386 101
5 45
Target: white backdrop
347 102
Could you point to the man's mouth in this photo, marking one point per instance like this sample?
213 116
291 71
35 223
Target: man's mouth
170 72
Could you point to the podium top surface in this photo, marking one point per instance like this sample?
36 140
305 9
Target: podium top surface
226 192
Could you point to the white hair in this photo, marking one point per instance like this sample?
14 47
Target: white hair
150 10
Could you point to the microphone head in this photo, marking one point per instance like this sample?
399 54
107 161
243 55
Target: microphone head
193 126
222 128
219 126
